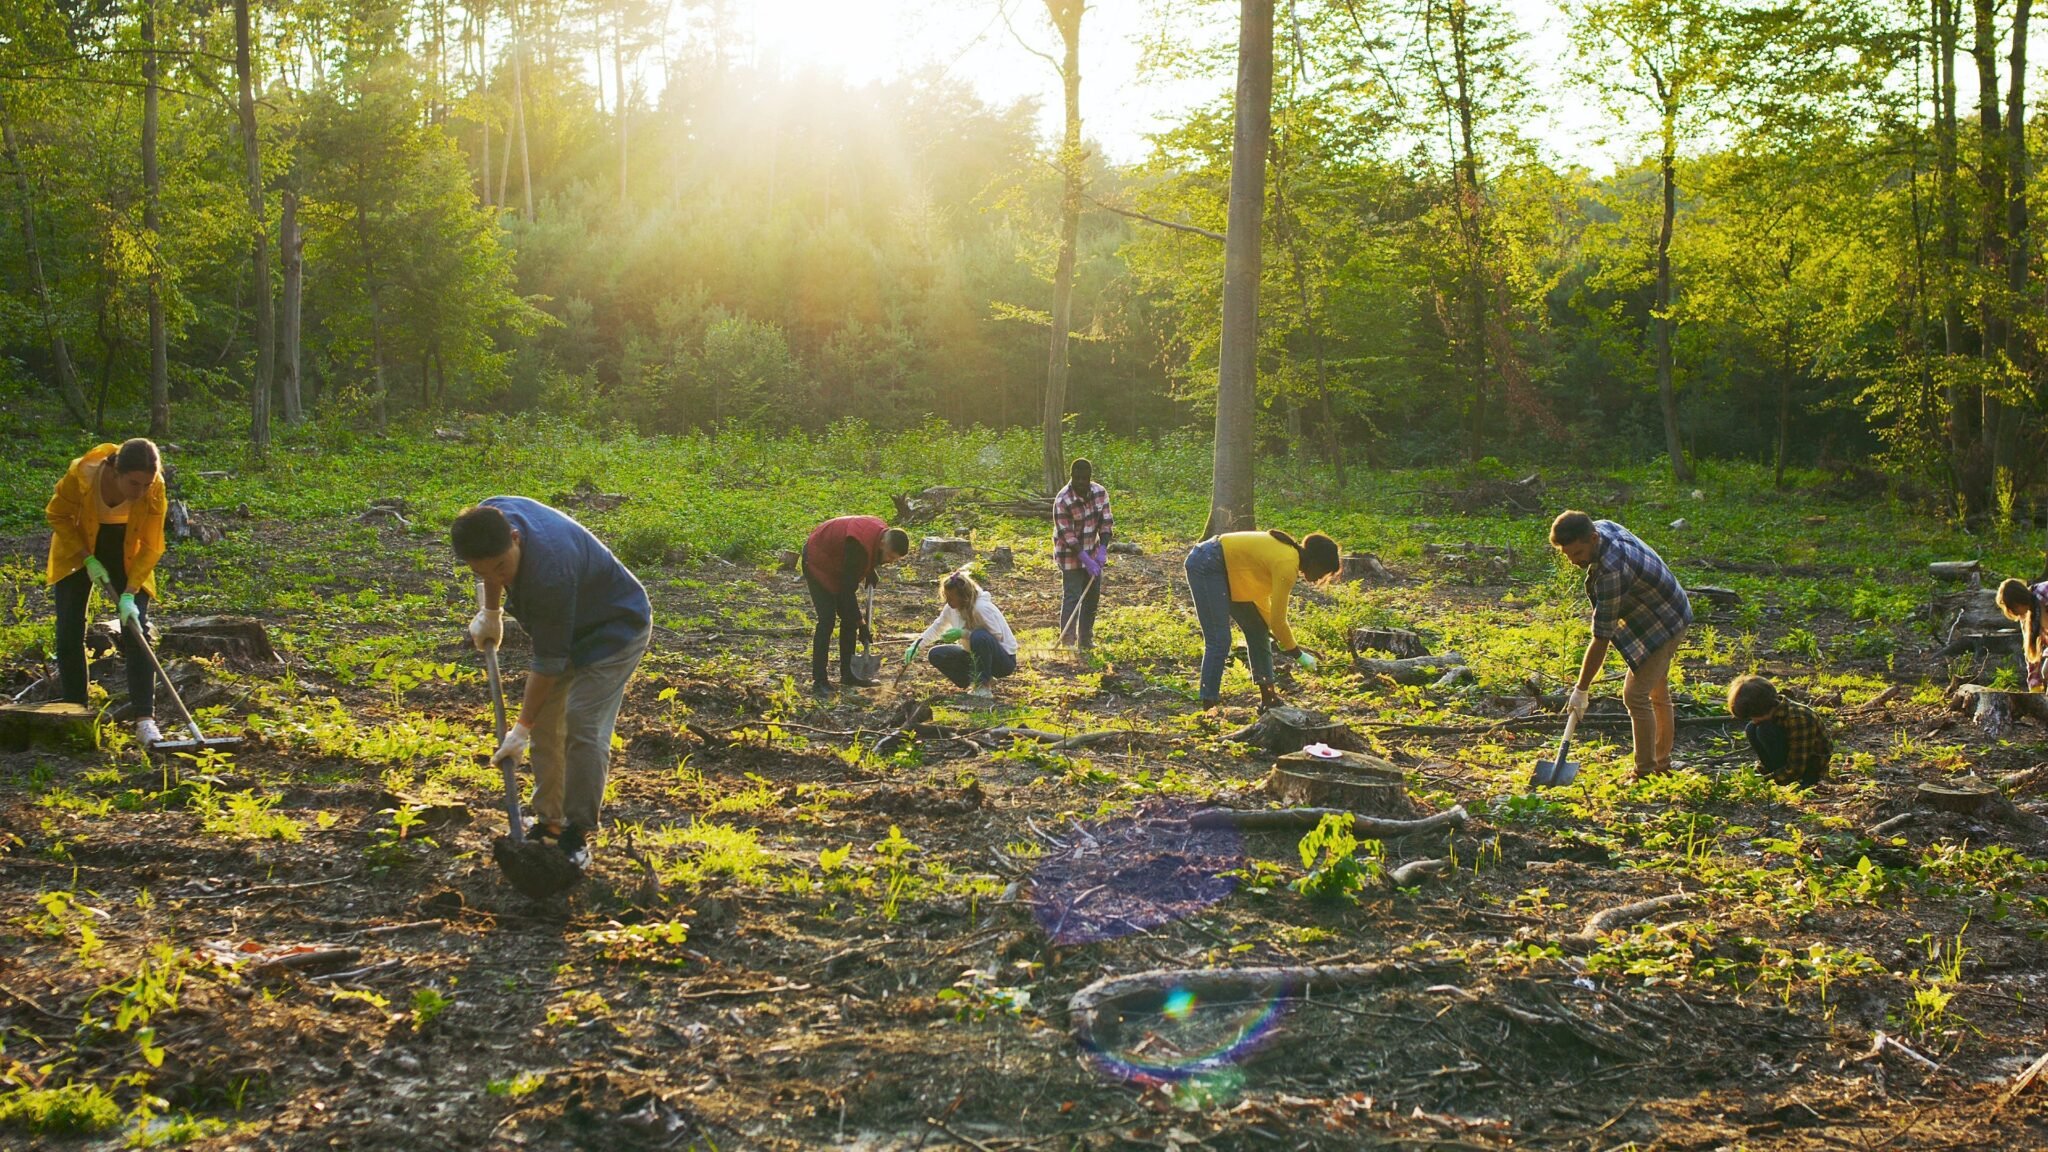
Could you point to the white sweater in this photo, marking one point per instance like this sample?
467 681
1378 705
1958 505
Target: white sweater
987 616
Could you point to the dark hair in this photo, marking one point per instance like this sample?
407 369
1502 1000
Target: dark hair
1751 698
2015 599
896 540
480 533
137 455
1317 551
1083 470
1570 528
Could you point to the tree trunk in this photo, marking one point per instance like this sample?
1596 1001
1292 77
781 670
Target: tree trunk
1784 406
68 387
376 318
2017 256
1991 320
483 51
1664 323
259 249
519 99
1469 206
152 225
291 252
1962 399
619 69
1066 16
1232 496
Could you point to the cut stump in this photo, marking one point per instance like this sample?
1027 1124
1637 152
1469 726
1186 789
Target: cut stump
1286 729
932 546
1355 782
1965 794
1414 670
1399 642
1711 600
233 638
60 726
1995 712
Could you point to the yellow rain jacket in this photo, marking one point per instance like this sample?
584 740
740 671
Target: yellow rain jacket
1262 571
75 524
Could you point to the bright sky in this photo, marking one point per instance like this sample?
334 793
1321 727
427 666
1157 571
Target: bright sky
873 39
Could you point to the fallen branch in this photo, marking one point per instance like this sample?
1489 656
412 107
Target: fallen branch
1115 996
1304 819
2020 1082
1414 670
1416 871
1534 724
1892 825
301 961
1609 919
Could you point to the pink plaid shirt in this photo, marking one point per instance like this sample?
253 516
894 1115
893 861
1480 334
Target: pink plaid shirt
1078 522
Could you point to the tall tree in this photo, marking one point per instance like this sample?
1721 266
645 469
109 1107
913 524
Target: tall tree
291 253
152 227
1066 17
1233 492
259 248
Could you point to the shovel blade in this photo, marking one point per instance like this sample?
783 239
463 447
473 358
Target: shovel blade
1552 774
190 745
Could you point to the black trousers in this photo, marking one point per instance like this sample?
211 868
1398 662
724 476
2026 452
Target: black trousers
72 595
830 608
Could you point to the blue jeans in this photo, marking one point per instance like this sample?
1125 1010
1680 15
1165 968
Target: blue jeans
1077 594
980 660
1209 584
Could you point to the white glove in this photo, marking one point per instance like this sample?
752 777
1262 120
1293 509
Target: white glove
1575 704
487 628
518 739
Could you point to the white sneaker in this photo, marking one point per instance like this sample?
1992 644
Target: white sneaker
147 733
982 691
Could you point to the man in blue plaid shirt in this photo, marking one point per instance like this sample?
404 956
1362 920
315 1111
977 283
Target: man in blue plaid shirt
1081 525
1639 608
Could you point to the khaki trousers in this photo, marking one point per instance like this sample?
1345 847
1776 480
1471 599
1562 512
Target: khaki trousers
1647 695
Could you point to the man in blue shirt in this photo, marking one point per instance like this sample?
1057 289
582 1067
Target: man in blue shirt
1639 608
590 624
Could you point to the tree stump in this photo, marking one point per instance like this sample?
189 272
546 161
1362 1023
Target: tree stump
1364 566
1287 729
1995 712
1125 548
1970 572
1974 610
1414 670
1964 794
932 546
1718 601
1398 641
788 559
57 726
233 638
1002 556
1356 782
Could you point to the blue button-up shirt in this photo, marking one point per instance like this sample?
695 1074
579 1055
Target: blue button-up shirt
1637 602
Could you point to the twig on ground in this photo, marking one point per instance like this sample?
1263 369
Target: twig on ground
1303 819
1609 919
259 889
2020 1082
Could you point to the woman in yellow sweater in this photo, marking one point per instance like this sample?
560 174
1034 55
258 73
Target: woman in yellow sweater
1246 577
107 532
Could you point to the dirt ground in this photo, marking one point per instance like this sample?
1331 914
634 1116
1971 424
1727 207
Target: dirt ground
810 1006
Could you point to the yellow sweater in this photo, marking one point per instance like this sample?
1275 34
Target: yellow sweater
1262 572
75 525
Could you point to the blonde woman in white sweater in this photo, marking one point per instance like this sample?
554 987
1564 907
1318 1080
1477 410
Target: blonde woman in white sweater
974 642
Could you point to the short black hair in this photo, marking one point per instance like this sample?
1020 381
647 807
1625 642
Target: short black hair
137 455
1570 528
1083 470
1751 698
896 540
480 533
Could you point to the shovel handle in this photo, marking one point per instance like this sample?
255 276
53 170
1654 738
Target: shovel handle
497 682
1571 725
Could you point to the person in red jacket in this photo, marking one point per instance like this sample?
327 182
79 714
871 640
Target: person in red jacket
841 555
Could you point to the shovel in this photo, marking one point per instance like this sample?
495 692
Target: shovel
867 665
198 739
1559 772
536 870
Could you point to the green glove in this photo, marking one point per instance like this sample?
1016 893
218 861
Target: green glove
914 646
950 635
1307 659
98 572
131 616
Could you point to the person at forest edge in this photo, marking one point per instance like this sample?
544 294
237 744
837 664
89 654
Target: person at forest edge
107 533
1081 525
1638 607
975 644
839 556
590 623
1789 739
1246 577
2028 604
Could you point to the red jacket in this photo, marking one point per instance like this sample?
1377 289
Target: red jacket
825 550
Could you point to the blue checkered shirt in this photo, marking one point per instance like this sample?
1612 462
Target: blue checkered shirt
1637 602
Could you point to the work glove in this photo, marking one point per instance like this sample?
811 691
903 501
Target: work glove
100 577
487 628
131 614
911 656
1575 704
1305 658
513 749
1091 560
949 636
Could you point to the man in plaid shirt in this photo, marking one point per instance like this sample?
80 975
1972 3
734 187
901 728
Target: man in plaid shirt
1639 608
1081 524
1790 740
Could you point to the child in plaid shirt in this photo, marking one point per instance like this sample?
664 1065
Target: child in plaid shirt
1790 740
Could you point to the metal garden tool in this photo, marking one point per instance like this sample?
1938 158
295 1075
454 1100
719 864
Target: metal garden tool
198 739
1559 772
867 665
538 871
1074 617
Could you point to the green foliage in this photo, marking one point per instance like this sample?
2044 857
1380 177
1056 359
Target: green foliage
73 1109
1332 856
